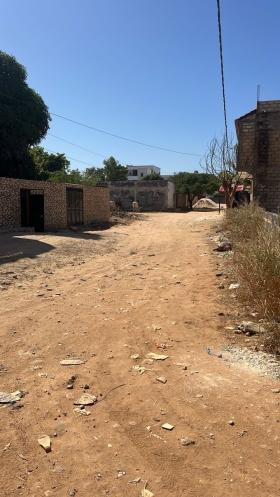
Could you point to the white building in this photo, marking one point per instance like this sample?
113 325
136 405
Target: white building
138 172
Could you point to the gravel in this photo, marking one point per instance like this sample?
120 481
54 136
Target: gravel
262 362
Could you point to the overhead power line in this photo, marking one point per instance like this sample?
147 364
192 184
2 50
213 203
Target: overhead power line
222 69
76 145
99 130
68 157
149 145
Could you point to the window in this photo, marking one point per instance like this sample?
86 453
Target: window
135 172
142 174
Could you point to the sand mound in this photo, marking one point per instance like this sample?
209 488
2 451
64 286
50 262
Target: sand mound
204 203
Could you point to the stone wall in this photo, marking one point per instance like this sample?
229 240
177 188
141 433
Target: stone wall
96 203
150 195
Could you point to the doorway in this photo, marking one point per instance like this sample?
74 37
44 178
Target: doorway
32 209
75 206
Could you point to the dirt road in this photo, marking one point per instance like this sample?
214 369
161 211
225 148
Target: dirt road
152 285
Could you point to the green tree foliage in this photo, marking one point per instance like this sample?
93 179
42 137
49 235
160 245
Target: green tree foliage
93 175
195 184
24 119
113 170
152 177
47 163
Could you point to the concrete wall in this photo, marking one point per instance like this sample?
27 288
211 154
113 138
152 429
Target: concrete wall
96 203
151 195
259 152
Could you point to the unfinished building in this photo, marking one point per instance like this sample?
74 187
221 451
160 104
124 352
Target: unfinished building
46 206
258 134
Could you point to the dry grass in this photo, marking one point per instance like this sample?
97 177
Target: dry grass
256 247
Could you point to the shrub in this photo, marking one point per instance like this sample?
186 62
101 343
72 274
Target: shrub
256 246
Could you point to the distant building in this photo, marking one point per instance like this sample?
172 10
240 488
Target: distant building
136 173
151 195
258 134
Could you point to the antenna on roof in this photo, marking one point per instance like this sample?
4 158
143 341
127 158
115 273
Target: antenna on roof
258 92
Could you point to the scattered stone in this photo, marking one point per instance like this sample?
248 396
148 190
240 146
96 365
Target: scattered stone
157 357
251 328
219 274
72 362
139 369
82 411
70 382
234 286
148 361
135 357
156 327
182 365
136 480
10 398
185 442
72 492
231 422
224 246
221 286
161 379
275 390
146 493
167 426
45 442
86 400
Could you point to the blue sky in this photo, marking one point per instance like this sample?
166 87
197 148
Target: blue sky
145 69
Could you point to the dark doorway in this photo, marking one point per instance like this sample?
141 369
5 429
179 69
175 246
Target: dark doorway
75 206
32 209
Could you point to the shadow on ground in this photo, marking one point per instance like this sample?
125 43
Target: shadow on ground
15 246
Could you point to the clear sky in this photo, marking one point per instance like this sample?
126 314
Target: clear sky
145 69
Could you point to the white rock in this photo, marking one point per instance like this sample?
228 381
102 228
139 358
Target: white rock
157 357
167 426
86 400
45 442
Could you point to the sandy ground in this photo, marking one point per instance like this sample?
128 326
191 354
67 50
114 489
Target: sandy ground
146 287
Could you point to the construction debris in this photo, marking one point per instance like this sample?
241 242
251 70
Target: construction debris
251 328
167 426
224 246
82 411
146 493
161 379
86 400
157 357
139 369
70 382
45 442
10 398
71 362
185 442
134 357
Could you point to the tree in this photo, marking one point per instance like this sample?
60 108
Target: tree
24 119
46 163
221 161
93 175
152 177
113 170
194 184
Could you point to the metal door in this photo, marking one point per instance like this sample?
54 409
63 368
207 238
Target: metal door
75 208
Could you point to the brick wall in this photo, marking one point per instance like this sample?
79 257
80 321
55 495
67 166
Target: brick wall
259 152
96 203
